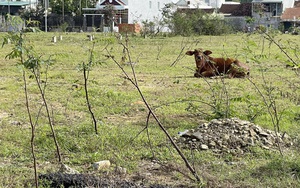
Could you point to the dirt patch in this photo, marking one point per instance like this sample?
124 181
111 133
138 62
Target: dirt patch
150 174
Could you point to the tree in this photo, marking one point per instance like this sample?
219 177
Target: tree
110 14
33 14
188 22
167 15
65 6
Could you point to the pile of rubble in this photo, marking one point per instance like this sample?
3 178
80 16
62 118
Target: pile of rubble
231 136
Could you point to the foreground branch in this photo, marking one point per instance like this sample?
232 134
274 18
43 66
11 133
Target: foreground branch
268 37
135 83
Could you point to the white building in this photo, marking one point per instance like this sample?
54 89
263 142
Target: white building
215 3
135 11
192 4
201 4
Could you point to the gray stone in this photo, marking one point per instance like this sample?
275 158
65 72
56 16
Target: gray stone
252 133
226 136
216 122
262 133
212 144
101 165
67 170
265 147
197 135
204 147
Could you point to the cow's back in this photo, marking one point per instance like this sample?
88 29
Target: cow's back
222 65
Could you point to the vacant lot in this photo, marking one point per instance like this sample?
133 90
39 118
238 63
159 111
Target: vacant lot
269 98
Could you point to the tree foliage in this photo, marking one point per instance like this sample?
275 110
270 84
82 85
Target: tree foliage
70 6
33 13
194 22
110 15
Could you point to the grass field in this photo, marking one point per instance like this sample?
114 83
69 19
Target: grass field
179 100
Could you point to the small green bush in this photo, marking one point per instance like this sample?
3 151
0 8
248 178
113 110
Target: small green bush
198 22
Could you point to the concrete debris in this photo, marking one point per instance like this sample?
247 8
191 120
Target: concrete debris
231 136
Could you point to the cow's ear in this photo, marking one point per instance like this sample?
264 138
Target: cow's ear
189 53
207 52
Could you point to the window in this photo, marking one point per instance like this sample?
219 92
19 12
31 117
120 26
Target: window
267 7
188 2
158 5
150 4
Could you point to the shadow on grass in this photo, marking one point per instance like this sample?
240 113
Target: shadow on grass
279 168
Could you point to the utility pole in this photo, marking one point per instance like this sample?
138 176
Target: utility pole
8 7
46 3
80 7
63 10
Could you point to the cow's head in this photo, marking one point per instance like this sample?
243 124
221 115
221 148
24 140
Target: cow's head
200 57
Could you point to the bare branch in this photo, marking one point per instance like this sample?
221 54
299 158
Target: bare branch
135 83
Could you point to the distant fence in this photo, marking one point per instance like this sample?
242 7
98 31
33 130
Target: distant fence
56 22
6 25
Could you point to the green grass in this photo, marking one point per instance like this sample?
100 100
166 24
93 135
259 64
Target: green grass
178 99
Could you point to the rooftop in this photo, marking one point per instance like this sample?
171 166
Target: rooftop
14 3
291 14
228 8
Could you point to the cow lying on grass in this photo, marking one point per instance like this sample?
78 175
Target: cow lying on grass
207 66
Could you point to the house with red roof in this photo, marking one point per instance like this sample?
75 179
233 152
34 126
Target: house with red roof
291 16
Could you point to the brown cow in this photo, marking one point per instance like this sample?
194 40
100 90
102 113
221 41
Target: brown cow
207 66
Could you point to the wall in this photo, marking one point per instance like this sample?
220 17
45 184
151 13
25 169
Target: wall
216 3
288 4
145 10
